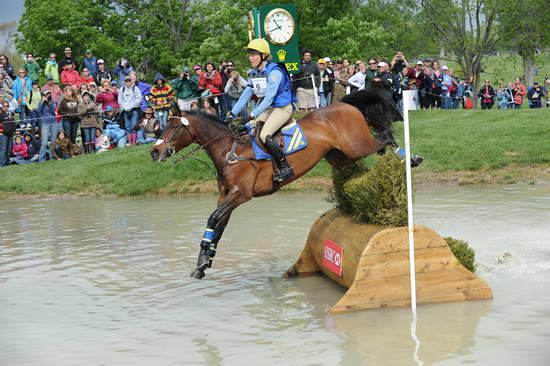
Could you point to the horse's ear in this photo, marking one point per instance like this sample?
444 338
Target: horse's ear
184 121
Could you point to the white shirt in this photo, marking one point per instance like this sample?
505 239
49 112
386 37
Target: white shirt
358 80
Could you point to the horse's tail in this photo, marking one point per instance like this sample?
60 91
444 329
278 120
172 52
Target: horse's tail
377 106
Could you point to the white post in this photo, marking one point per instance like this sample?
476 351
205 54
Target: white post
408 104
315 91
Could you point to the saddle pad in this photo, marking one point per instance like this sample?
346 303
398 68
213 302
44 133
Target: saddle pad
293 137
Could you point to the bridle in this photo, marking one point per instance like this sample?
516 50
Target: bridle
190 153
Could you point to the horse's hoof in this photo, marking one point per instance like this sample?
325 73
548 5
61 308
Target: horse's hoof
198 274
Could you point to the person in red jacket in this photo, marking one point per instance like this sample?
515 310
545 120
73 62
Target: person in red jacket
108 95
69 76
211 79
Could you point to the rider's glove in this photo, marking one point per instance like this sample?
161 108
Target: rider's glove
229 118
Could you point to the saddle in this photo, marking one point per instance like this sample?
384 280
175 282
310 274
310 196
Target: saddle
278 137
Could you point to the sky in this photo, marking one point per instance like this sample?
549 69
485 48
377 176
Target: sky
11 10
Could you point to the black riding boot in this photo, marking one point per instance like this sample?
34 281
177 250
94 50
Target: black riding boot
284 171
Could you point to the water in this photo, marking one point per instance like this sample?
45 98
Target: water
105 282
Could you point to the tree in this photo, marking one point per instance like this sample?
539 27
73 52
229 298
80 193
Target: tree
468 28
524 26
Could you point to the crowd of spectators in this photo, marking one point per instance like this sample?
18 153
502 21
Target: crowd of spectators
84 106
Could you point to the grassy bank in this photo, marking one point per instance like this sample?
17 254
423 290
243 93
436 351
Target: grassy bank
459 147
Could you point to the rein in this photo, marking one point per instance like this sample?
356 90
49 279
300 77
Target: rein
189 154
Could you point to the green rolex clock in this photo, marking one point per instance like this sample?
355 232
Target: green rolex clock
279 26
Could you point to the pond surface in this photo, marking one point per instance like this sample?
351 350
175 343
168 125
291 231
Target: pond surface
106 282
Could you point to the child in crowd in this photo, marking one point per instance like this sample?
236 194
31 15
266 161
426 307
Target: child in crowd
101 141
112 128
208 106
63 148
32 67
20 151
35 97
149 128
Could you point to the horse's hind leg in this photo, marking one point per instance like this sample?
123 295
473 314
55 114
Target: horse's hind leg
214 230
337 159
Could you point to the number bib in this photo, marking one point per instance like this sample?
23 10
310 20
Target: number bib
259 86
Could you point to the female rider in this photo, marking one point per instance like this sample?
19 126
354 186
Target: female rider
270 82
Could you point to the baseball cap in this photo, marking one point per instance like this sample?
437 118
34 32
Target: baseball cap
197 67
327 59
46 92
49 77
185 69
444 67
382 63
100 61
419 62
109 108
321 61
88 51
68 49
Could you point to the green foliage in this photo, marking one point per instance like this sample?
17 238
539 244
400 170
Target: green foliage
377 196
340 176
463 253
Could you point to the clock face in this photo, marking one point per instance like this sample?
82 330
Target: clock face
279 26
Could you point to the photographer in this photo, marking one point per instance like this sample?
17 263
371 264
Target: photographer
398 63
122 70
185 87
6 84
234 88
535 95
49 127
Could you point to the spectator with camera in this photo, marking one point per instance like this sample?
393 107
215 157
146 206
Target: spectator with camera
6 84
446 87
340 81
122 70
535 95
107 96
49 126
398 63
234 88
185 87
303 83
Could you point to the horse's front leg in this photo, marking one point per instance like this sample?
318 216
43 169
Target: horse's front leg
214 230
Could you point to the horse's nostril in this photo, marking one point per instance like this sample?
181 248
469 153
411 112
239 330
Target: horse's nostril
154 154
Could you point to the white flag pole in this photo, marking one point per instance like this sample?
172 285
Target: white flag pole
315 91
408 104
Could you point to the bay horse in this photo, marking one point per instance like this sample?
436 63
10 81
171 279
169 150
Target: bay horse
340 133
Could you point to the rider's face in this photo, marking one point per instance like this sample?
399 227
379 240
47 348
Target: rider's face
255 59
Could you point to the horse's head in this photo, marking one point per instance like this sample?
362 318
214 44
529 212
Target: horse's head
176 135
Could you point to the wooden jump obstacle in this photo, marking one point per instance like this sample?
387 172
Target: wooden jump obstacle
374 264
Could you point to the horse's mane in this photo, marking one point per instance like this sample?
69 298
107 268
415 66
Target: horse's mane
377 105
208 117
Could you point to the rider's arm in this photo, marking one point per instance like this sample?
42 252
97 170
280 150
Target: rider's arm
241 103
273 83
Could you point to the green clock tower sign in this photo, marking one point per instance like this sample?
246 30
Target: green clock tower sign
278 24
